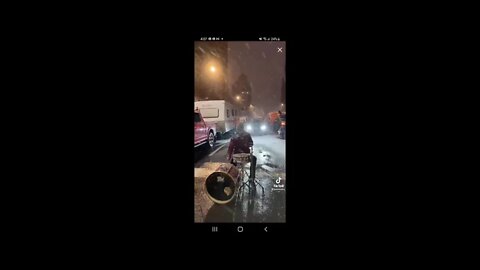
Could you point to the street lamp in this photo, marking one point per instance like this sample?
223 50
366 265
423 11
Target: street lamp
213 69
238 97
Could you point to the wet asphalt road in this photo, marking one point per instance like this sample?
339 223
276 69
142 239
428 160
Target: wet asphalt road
251 205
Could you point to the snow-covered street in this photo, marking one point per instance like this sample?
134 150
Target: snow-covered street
248 207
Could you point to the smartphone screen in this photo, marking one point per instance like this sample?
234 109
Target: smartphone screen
240 130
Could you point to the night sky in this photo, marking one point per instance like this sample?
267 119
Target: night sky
263 65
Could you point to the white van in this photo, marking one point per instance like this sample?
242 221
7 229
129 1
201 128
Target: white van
224 115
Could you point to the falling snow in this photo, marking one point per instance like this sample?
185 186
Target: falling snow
263 66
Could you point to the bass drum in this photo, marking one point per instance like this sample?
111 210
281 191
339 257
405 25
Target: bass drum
220 186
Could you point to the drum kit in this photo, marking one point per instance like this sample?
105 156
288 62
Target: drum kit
222 185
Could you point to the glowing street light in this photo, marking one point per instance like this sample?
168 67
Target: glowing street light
213 69
238 97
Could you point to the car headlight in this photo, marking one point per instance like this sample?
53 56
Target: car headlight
249 127
263 127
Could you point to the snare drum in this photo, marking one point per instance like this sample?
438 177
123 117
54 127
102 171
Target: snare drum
241 158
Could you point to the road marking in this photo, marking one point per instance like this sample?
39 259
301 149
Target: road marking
213 153
197 145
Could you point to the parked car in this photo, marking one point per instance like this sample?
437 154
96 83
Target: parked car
282 131
204 132
219 113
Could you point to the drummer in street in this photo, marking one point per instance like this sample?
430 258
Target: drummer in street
241 143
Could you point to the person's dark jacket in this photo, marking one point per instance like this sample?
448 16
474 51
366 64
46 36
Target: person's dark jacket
240 143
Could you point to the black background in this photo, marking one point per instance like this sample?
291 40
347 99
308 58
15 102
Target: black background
117 107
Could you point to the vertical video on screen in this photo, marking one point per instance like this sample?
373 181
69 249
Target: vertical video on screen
240 132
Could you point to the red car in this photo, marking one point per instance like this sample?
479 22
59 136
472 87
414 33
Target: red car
204 133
